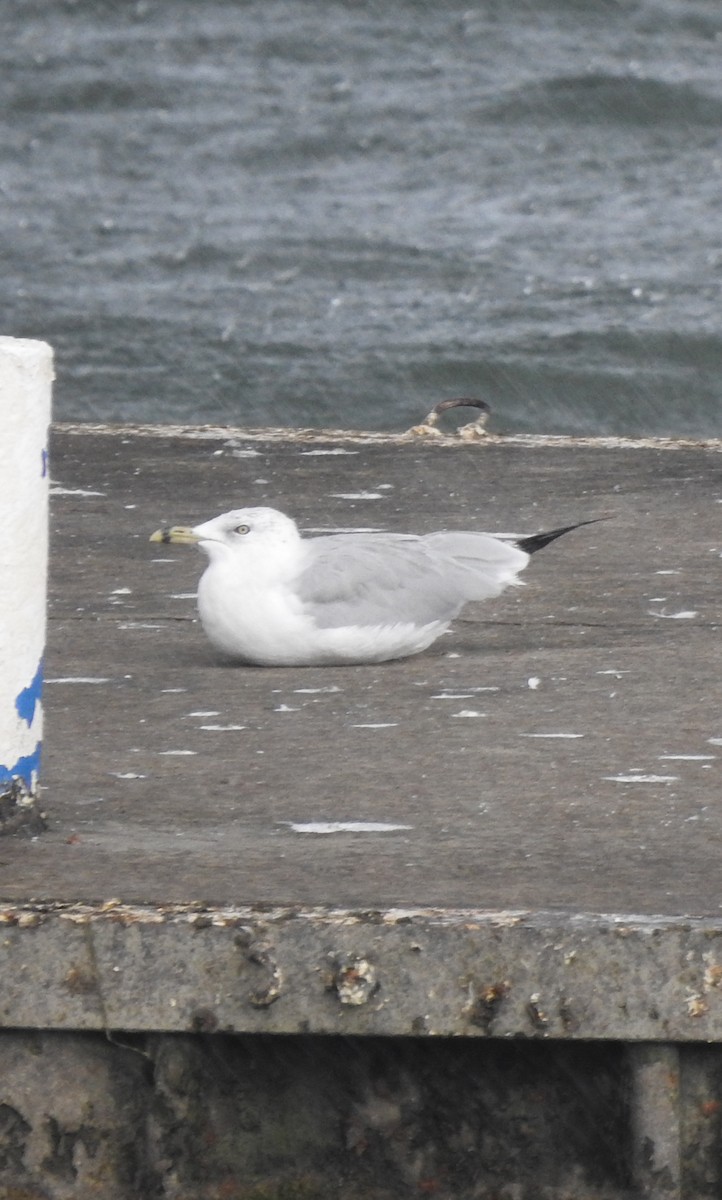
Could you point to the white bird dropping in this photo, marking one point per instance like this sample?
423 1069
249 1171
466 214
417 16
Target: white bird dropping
26 374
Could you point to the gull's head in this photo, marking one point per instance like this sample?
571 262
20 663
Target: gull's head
239 532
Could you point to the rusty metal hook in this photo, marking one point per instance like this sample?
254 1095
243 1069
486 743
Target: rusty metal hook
472 431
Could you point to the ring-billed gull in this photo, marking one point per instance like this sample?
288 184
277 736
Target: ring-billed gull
274 598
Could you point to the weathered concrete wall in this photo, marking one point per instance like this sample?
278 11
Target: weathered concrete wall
462 973
221 1117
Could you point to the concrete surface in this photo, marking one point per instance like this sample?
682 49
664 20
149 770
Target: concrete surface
575 795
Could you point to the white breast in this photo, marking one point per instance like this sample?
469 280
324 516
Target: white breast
267 625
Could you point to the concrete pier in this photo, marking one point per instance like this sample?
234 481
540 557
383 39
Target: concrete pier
512 836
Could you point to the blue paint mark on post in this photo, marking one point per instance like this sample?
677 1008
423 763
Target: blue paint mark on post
26 768
44 463
28 699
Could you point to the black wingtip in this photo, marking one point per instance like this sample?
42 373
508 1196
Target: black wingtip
538 541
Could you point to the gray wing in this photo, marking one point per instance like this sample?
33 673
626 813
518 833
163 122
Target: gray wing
485 564
382 579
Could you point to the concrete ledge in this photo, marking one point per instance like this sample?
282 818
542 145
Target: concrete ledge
400 973
418 435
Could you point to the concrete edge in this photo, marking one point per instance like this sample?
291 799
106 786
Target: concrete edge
399 972
417 436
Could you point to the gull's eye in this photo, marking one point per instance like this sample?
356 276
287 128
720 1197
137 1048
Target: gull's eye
242 529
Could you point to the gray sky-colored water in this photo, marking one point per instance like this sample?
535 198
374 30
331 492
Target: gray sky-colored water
308 212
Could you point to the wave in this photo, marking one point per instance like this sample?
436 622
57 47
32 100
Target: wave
91 95
600 97
660 383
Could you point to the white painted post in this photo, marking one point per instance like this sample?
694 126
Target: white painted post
26 373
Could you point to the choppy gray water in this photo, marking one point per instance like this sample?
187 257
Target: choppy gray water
314 212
